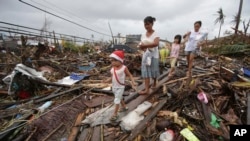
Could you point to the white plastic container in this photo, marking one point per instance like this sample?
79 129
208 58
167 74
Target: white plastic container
167 135
44 106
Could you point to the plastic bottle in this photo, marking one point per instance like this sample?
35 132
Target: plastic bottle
202 97
45 106
168 135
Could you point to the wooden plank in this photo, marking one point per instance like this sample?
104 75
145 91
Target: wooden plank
142 87
141 98
139 128
184 78
56 95
96 134
244 79
109 92
75 128
248 108
50 83
52 132
5 92
84 134
97 101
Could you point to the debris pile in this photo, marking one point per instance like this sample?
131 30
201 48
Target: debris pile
55 96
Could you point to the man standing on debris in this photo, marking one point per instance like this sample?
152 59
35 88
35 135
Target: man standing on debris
193 44
118 71
149 44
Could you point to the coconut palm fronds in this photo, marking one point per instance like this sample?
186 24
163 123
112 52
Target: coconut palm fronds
229 49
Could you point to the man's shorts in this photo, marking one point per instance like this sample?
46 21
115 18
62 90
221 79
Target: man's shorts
194 52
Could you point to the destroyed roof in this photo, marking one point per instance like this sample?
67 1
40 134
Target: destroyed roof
125 48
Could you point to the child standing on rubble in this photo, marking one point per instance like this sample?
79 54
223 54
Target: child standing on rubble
174 54
118 74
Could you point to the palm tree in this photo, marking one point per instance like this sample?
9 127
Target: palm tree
238 17
220 19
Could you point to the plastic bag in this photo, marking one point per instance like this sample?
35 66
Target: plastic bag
133 118
148 61
147 57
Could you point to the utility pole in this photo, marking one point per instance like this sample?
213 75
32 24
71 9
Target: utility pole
238 17
55 44
111 33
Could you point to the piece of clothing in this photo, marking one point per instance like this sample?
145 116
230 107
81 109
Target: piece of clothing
194 52
193 39
173 62
145 58
118 93
154 51
155 68
163 55
120 76
151 71
175 49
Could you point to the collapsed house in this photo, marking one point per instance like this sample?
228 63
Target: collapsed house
50 97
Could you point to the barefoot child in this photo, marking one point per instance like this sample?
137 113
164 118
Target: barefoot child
118 73
174 54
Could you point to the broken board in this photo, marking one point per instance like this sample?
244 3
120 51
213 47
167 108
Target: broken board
97 101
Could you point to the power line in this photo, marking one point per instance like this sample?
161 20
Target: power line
37 35
70 13
45 31
63 18
54 5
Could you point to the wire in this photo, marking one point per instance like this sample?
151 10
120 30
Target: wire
44 31
72 14
50 36
63 18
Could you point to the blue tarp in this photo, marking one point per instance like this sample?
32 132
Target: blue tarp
86 68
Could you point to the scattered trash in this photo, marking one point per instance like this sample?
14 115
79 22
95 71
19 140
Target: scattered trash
215 122
188 135
133 118
44 106
73 81
167 135
202 97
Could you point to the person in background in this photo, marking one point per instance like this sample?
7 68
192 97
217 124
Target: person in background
118 74
149 44
164 52
193 44
174 54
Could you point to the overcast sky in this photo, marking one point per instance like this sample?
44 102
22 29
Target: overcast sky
125 16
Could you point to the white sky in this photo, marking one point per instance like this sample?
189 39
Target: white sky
125 16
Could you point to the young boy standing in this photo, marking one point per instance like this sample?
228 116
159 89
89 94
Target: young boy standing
118 74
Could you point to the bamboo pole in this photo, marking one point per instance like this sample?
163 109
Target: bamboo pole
29 137
102 128
75 128
52 132
184 78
